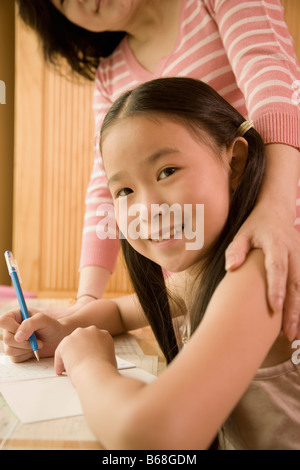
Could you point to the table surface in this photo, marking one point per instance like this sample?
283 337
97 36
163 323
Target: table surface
71 433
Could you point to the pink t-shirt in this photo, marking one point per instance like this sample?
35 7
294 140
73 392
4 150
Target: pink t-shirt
242 49
267 416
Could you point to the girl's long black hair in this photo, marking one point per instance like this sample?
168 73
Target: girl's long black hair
200 108
59 37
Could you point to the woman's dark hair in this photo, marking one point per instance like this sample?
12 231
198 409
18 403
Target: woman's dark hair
81 48
198 107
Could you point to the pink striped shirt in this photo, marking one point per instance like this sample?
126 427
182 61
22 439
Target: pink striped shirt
242 49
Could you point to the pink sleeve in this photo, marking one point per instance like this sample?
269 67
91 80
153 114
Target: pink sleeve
261 54
94 250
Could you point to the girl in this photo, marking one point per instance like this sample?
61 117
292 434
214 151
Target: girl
176 143
244 51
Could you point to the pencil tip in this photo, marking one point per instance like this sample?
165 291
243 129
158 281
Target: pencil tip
36 353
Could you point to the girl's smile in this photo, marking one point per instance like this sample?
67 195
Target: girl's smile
160 163
167 234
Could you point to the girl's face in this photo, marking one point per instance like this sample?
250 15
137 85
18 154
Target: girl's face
159 174
98 15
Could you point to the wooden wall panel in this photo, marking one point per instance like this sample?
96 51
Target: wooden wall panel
292 18
67 160
7 73
54 156
28 158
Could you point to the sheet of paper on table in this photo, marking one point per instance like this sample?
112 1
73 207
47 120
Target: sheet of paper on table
41 399
52 397
33 369
35 393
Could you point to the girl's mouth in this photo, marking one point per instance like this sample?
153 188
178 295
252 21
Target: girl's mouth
167 235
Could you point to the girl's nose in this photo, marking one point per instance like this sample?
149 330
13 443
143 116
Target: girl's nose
152 211
150 218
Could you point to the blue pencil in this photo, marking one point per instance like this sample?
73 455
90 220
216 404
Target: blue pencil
13 272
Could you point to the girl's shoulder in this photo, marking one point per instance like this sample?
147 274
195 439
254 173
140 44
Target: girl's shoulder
254 273
251 274
243 293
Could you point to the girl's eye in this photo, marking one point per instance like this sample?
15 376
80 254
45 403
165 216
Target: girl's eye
62 2
124 192
166 172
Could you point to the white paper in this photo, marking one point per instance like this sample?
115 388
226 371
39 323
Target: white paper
148 363
35 393
51 397
34 369
126 344
40 400
31 369
123 364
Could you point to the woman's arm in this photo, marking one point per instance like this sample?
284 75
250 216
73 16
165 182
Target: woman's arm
92 283
96 248
187 404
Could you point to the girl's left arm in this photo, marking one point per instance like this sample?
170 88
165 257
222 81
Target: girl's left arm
270 226
188 403
260 51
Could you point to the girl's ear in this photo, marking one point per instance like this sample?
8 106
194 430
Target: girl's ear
238 153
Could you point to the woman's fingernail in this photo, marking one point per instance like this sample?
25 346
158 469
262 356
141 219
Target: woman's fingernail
279 304
230 261
291 331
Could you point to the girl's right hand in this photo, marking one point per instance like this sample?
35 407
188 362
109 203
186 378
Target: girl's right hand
49 332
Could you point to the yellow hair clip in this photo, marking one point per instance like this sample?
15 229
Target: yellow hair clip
244 127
